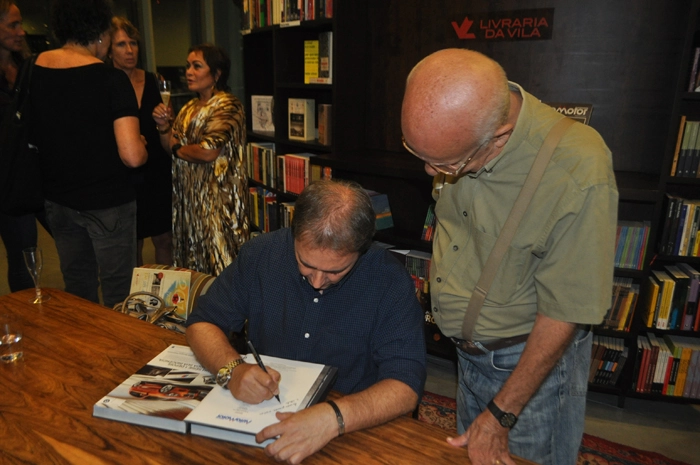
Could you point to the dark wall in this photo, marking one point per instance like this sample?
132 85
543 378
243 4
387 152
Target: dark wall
623 56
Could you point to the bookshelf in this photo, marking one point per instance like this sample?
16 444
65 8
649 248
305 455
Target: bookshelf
375 45
685 106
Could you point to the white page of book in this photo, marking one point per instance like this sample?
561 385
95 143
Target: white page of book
220 409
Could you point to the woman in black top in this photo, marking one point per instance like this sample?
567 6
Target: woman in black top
17 232
87 131
153 180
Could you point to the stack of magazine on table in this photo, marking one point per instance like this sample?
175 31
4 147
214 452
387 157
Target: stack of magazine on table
174 392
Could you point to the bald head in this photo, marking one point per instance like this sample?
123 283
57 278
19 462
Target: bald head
454 99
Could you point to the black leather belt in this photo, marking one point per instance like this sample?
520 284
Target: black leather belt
472 349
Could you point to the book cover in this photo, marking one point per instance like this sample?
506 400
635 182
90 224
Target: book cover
680 227
676 152
652 299
654 365
297 171
667 287
325 59
310 60
170 393
692 305
302 119
170 285
680 295
382 210
325 119
642 363
262 107
693 235
676 351
628 307
665 243
161 394
687 147
221 416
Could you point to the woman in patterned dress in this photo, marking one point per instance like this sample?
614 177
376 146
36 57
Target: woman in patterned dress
207 142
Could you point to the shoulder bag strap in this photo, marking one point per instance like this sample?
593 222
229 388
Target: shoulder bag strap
511 225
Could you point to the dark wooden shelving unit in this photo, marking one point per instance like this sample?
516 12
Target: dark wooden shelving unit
637 87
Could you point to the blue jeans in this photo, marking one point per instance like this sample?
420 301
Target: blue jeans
18 233
550 428
92 244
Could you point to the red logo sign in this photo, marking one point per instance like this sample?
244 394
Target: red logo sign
507 25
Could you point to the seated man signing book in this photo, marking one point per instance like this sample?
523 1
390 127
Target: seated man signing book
318 292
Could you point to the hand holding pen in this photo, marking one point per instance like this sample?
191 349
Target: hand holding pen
260 363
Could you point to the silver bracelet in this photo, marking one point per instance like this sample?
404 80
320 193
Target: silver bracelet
339 417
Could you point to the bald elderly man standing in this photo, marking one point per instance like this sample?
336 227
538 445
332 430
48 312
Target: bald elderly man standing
523 375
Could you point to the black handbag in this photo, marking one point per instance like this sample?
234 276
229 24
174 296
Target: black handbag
20 170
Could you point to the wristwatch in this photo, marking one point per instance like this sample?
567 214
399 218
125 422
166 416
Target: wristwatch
224 374
506 419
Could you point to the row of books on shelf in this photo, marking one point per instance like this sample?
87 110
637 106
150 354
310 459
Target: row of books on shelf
631 244
624 302
680 233
266 213
608 357
303 123
318 59
261 13
672 301
686 156
290 172
668 365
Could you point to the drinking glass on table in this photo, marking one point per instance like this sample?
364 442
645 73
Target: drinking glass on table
164 89
10 338
35 262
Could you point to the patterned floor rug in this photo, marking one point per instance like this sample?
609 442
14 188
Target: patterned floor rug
440 411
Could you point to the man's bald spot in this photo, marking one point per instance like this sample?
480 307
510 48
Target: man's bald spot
451 100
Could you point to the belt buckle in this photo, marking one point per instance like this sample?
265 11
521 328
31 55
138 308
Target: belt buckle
468 346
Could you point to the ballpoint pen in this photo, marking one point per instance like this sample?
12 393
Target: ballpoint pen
260 363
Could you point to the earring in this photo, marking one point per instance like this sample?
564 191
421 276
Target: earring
99 41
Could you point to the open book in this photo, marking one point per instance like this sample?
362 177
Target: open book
174 392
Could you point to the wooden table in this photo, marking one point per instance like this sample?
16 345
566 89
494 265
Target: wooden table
75 352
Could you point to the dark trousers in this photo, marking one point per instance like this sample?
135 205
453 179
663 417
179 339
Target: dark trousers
18 233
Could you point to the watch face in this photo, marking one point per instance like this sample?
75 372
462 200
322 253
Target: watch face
508 420
223 376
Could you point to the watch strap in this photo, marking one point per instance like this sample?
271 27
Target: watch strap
234 363
505 419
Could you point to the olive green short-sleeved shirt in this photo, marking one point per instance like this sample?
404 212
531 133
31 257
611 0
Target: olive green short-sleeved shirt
561 260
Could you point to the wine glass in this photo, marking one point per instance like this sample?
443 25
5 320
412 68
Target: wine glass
164 88
35 262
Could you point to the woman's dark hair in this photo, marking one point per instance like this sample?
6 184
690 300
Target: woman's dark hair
217 60
82 21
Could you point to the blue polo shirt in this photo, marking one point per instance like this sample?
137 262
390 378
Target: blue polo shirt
369 325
